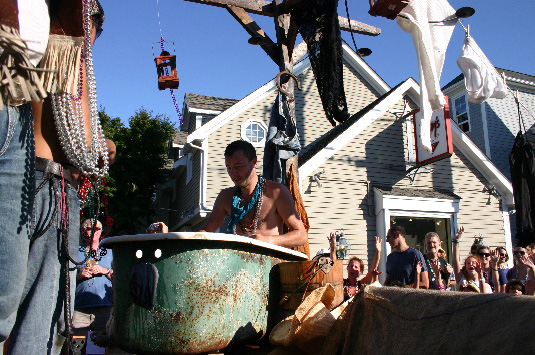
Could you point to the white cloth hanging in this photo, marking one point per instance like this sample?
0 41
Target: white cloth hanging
431 41
480 77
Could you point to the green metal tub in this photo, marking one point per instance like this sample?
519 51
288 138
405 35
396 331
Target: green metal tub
190 293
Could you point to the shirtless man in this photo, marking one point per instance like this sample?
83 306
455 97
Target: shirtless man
258 208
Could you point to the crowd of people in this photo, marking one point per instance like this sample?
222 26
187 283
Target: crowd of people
484 270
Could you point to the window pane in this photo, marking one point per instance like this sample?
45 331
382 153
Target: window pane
460 105
254 133
462 118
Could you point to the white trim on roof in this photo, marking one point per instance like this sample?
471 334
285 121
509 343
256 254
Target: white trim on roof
241 106
462 142
206 112
346 136
364 69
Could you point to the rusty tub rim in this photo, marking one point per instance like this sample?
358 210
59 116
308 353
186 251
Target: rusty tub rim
110 242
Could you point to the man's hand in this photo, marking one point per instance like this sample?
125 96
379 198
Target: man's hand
378 244
99 270
157 227
84 274
260 237
435 264
419 267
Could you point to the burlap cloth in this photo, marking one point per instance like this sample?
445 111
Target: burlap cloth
391 320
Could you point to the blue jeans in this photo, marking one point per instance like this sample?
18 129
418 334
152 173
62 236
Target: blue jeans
17 184
40 316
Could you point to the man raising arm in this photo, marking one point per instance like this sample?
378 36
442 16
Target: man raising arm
258 208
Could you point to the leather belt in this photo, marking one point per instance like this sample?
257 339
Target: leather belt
51 167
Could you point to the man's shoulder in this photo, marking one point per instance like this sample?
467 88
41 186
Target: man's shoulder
228 192
273 185
411 250
275 189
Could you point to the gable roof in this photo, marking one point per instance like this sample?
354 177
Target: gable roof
204 102
334 133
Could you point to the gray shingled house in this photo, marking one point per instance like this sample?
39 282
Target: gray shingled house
352 176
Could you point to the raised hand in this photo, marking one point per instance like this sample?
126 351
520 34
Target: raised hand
526 260
495 258
419 267
479 271
435 264
459 233
332 241
449 269
378 244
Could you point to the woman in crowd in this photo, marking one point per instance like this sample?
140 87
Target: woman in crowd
470 276
523 270
491 272
355 268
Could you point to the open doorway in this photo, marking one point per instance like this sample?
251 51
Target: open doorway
417 227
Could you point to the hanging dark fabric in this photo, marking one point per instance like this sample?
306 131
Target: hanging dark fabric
318 24
143 284
282 141
522 163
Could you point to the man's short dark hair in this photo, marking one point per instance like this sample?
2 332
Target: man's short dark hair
399 229
246 147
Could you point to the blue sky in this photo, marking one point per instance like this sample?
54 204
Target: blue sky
214 58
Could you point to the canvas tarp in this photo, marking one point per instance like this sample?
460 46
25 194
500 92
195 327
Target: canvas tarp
391 320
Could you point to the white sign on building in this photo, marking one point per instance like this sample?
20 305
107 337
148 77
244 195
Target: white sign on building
441 140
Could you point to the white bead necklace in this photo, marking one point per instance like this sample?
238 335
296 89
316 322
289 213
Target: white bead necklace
69 118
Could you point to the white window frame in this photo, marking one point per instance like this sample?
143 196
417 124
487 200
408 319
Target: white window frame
456 114
249 122
387 206
189 167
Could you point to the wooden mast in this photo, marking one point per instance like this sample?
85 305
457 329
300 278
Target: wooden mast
282 52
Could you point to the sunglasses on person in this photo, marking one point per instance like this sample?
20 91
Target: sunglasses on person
484 255
521 252
91 228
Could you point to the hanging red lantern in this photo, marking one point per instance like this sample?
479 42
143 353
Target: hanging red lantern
166 68
387 8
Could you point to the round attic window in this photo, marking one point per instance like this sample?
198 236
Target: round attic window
255 132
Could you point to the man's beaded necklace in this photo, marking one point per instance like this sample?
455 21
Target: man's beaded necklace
251 228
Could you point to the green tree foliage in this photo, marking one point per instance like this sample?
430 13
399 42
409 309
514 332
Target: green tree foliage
141 154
